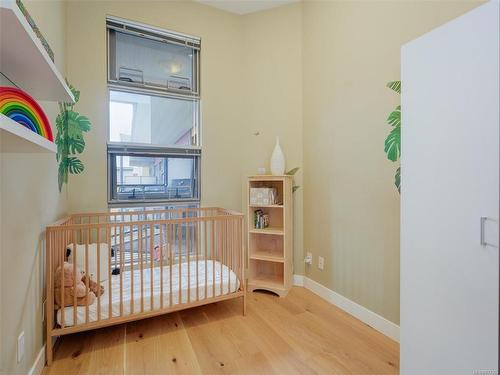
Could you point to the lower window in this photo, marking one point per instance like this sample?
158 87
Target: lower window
135 177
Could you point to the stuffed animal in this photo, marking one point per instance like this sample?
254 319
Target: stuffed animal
69 290
97 289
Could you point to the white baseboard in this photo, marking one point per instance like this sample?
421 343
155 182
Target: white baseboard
374 320
39 364
298 280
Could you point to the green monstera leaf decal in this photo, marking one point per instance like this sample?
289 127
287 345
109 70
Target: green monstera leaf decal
395 86
393 141
71 127
397 179
394 118
75 165
292 172
76 145
77 125
392 146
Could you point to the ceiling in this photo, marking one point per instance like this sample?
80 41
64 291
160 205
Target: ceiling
245 6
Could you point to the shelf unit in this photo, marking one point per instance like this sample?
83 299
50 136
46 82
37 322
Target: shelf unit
269 230
24 61
18 139
23 58
266 206
270 250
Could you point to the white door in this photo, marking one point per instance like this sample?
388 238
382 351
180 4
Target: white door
450 179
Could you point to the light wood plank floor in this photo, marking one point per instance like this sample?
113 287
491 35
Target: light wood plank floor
299 334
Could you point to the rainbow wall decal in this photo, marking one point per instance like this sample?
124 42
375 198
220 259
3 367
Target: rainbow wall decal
22 108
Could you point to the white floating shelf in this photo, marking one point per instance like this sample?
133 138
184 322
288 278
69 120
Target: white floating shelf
24 60
18 139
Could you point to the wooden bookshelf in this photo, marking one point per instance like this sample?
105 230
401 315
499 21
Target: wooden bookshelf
270 249
269 230
267 255
266 206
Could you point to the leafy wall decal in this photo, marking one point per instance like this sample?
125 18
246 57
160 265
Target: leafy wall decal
392 146
292 172
71 127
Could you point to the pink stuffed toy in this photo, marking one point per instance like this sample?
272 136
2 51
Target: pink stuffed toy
65 285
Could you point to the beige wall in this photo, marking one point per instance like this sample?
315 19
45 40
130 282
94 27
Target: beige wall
311 73
29 200
351 208
250 82
221 79
272 98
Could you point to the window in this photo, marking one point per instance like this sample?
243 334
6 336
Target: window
154 145
147 57
152 120
138 177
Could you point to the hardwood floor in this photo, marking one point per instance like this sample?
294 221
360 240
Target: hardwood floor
299 334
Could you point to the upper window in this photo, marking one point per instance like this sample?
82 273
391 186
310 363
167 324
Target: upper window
152 120
152 58
154 100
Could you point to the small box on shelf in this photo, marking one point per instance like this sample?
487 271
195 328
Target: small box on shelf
263 196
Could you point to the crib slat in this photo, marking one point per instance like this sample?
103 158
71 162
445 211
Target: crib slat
237 250
49 269
205 292
87 235
188 251
205 258
230 255
98 239
74 279
213 258
170 260
110 261
179 249
61 264
142 267
221 255
151 261
121 268
161 266
81 232
234 252
235 255
131 241
197 251
242 262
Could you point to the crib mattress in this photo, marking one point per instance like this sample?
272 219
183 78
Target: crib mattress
225 282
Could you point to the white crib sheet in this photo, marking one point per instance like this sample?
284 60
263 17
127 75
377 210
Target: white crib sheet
227 278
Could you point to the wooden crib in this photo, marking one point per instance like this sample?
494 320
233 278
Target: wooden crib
149 263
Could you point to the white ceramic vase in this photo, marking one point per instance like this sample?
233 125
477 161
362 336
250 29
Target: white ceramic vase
277 160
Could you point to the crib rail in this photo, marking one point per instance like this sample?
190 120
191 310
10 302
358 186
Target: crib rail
149 262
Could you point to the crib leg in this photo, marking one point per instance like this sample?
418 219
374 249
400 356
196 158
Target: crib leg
244 304
48 350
